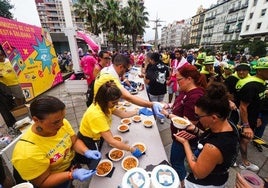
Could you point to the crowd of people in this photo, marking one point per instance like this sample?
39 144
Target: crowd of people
210 90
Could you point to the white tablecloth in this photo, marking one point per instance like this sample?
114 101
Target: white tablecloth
154 154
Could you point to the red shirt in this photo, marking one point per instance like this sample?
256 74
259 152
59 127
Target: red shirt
184 105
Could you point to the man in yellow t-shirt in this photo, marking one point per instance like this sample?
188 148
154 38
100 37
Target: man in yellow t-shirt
9 77
116 70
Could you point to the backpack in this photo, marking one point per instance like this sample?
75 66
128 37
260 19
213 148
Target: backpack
90 93
6 97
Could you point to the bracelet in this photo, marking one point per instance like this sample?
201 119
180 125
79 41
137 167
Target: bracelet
245 125
167 116
196 130
70 175
129 148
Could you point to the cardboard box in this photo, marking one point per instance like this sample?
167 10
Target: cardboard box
20 111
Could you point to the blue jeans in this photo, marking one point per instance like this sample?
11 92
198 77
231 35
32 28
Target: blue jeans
156 98
177 156
260 130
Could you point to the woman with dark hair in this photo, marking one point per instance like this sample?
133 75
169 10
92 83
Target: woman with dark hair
191 88
96 122
44 153
217 145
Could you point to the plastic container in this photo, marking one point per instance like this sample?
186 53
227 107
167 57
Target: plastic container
164 176
24 185
253 179
136 177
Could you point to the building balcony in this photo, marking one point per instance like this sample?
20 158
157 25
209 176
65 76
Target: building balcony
244 6
210 18
231 20
241 18
238 30
229 31
233 9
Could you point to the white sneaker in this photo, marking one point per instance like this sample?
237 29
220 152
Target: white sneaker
251 167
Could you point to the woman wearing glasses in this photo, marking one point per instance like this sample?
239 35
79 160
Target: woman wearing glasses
44 154
217 145
191 88
96 122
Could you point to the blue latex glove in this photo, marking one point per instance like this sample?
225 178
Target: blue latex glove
93 154
137 153
146 112
83 174
157 107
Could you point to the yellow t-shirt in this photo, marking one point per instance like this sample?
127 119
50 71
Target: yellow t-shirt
7 74
103 78
94 122
32 159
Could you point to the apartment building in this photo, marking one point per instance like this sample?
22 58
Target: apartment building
176 34
255 25
223 22
226 21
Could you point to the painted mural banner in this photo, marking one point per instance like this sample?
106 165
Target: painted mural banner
30 50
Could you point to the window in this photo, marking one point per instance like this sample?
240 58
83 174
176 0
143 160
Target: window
247 27
263 11
255 2
258 25
251 15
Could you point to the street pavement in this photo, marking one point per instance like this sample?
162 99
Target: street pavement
76 106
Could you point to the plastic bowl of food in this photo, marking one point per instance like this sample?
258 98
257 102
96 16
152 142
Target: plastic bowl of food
126 121
116 154
180 122
126 103
148 123
136 118
129 162
104 167
140 146
123 128
118 137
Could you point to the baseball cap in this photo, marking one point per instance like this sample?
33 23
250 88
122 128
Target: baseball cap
242 66
201 56
209 60
262 63
229 66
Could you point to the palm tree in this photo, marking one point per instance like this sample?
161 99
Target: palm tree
5 8
111 19
137 18
89 10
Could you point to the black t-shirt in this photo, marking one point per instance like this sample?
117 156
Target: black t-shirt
227 143
253 93
230 83
157 74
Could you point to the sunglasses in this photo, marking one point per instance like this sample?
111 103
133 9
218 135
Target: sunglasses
198 117
108 58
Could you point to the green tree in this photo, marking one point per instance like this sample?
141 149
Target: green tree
258 48
111 19
5 8
89 10
136 20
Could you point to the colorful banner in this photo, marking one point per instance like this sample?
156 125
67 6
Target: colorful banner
30 50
